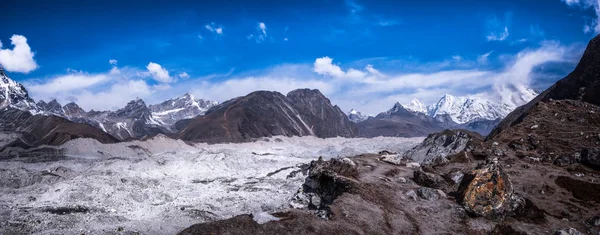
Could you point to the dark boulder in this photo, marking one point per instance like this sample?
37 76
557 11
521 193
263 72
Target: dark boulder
591 157
429 194
429 179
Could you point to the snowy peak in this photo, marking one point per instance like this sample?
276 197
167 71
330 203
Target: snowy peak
465 109
184 107
14 94
135 109
356 116
51 108
415 105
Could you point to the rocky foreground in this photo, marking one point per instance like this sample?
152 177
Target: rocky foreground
484 190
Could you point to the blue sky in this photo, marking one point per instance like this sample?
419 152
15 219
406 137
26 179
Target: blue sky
362 54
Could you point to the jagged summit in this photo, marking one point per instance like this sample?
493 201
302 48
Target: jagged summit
184 107
416 105
467 109
14 94
356 116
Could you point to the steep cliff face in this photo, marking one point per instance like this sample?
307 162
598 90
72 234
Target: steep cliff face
265 113
327 120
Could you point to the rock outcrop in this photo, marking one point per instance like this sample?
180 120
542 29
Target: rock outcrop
438 146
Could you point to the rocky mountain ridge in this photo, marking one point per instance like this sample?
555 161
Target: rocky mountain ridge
302 112
135 120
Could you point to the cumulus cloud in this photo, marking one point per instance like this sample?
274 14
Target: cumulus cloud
212 27
325 66
20 58
159 73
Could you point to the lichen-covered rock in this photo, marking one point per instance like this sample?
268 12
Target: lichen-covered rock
486 191
429 179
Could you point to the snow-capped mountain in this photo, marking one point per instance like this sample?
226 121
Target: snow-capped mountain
356 116
135 120
184 107
416 106
14 94
463 109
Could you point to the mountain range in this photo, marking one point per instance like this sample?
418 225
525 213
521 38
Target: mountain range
450 112
259 114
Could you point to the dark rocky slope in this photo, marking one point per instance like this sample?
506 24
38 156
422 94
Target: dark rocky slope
36 130
265 113
582 84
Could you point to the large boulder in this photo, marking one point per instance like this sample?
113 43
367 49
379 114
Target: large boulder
326 181
486 191
591 157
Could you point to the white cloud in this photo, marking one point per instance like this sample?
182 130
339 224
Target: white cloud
20 58
594 25
69 82
498 36
184 75
571 2
261 33
263 28
158 73
214 28
457 58
482 59
325 67
102 91
114 69
368 90
285 39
